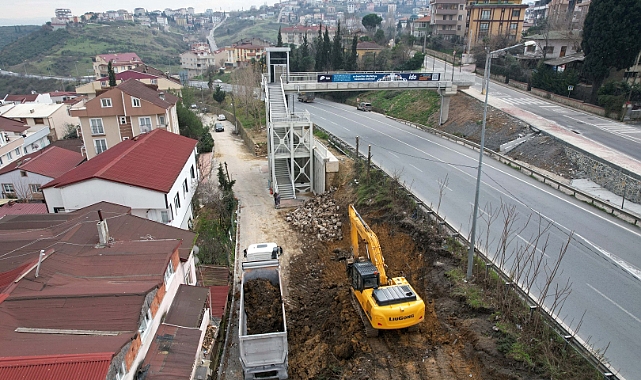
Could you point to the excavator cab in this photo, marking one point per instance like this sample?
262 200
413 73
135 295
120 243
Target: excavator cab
363 275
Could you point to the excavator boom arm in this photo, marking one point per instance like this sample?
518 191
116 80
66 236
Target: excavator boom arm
360 229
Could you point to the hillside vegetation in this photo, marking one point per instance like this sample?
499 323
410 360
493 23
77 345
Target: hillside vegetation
9 34
235 29
68 52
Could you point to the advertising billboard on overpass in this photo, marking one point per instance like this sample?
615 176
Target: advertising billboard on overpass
379 77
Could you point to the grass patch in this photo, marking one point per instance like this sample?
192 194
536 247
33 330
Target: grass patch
321 134
414 105
236 29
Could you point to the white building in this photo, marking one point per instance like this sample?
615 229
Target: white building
155 174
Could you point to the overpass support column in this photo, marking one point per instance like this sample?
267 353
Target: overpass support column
446 95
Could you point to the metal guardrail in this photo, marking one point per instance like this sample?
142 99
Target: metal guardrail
559 327
566 189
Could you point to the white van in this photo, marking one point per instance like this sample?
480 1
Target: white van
262 251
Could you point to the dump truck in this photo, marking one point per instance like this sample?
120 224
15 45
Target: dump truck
262 325
262 251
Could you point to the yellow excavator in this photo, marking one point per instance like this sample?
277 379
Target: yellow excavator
383 303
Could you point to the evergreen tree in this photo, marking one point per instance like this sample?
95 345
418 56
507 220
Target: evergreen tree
318 64
337 50
352 57
112 75
305 57
371 21
280 39
219 95
327 51
611 39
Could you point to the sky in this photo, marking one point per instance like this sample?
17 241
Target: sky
38 12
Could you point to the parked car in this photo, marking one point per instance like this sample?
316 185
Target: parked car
364 106
219 127
221 117
194 106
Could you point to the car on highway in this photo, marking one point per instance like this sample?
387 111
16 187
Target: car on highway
221 117
219 127
364 106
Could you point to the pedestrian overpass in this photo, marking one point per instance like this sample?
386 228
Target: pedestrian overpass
297 162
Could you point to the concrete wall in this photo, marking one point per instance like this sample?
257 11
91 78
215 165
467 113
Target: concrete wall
610 177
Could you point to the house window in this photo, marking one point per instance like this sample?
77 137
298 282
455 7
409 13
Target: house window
188 277
164 216
485 26
485 15
169 273
103 84
38 120
460 17
122 120
161 119
105 102
23 173
177 201
8 188
135 102
461 6
513 26
145 124
9 156
17 151
531 49
57 210
458 27
100 145
144 324
154 81
35 188
185 188
192 172
516 13
96 127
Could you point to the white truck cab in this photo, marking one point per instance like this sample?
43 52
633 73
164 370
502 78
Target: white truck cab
262 251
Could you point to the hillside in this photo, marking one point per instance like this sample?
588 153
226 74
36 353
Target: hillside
69 52
9 34
235 29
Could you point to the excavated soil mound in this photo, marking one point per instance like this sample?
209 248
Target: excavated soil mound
263 307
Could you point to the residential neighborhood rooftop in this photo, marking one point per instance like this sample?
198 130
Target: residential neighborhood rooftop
51 162
151 160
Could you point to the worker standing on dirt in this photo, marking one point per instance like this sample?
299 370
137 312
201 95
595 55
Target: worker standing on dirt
277 200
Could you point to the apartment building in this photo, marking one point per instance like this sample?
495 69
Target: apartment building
55 117
123 112
448 18
239 55
119 61
18 139
162 82
492 18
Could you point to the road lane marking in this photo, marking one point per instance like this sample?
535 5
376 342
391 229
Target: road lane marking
631 269
614 303
531 245
416 168
393 154
550 106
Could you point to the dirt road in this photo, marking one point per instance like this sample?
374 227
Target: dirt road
258 220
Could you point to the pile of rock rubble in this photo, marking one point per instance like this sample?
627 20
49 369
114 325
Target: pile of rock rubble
318 216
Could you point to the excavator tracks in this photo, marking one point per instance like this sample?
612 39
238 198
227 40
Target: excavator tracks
370 332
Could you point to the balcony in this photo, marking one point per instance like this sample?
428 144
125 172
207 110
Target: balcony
445 11
445 22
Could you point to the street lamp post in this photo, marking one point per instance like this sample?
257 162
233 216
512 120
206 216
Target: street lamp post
486 88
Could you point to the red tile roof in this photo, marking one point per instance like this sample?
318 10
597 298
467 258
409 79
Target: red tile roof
121 58
219 296
186 310
21 98
23 208
423 19
129 74
56 367
140 90
50 162
79 286
10 125
172 353
151 160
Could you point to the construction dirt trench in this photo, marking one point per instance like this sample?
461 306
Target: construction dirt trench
325 335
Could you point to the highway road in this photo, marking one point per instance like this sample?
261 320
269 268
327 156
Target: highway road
601 262
617 136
